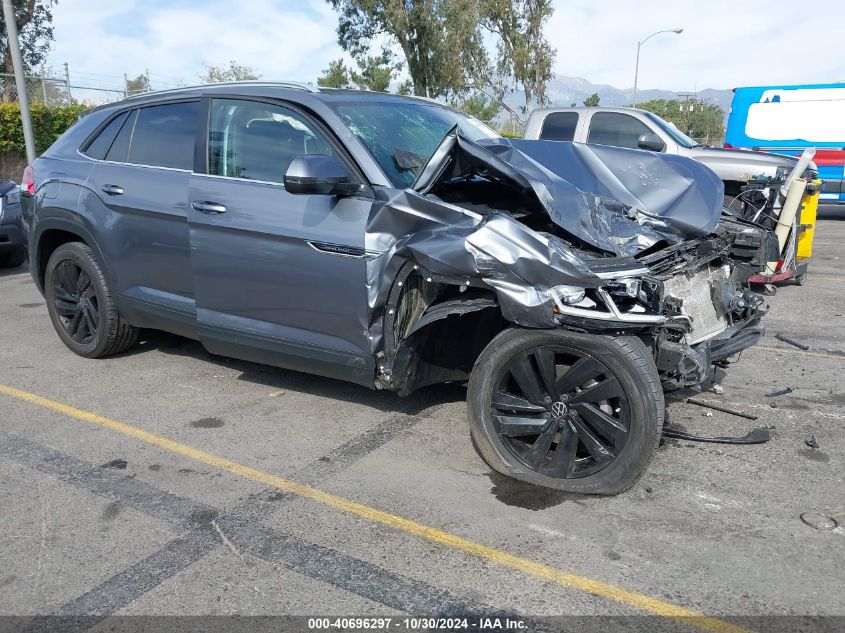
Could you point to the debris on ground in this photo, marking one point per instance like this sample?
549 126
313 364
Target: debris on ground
780 392
755 436
120 464
819 521
791 341
707 414
811 442
718 389
716 407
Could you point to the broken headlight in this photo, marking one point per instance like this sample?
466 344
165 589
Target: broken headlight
568 294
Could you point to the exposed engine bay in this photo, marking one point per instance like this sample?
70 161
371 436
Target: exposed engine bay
546 234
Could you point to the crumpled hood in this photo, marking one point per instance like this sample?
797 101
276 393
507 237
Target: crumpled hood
617 200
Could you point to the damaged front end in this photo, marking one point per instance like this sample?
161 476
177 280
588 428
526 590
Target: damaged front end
540 234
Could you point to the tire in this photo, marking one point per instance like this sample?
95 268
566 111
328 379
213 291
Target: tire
81 306
13 259
620 367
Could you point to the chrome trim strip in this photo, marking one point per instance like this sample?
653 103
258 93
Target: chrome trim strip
632 272
364 254
614 313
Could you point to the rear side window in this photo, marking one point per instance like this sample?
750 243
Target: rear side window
99 147
164 136
613 128
120 148
559 126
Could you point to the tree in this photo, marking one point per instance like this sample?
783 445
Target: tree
139 84
440 40
692 116
376 73
335 76
592 100
478 105
523 52
234 72
34 19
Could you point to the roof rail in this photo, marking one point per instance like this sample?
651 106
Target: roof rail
296 85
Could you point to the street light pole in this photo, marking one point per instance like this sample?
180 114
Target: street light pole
20 80
637 66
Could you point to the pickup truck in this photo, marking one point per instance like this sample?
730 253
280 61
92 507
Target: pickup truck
640 129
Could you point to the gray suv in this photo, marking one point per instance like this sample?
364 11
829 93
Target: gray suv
395 243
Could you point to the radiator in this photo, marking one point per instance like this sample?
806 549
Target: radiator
695 292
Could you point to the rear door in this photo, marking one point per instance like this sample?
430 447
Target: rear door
559 126
279 278
617 129
138 195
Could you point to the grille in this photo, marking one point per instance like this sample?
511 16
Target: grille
697 299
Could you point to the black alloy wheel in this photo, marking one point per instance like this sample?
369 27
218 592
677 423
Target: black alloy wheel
561 412
566 410
80 304
75 301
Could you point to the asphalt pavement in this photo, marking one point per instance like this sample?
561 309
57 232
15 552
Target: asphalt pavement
167 481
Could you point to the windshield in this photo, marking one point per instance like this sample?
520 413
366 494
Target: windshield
402 136
679 137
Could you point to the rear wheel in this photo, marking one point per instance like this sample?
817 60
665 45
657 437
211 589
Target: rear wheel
80 304
570 411
13 259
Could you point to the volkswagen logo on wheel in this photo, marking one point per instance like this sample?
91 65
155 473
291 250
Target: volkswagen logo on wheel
559 409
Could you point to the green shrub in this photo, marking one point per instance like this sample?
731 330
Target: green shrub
47 123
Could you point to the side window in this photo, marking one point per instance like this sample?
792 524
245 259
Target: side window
119 150
99 147
613 128
559 126
258 141
164 135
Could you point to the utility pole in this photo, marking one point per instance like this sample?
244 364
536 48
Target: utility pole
147 73
20 80
43 86
67 85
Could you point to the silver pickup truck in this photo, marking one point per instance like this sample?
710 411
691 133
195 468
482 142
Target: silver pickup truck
640 129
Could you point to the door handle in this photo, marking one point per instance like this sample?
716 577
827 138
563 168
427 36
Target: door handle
112 190
208 207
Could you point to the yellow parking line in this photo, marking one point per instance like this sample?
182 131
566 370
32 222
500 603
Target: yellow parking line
524 565
789 350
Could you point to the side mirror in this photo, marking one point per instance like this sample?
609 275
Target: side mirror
318 174
651 142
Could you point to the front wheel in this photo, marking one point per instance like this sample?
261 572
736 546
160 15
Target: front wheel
570 411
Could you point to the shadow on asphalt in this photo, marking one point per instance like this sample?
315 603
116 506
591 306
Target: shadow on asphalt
277 378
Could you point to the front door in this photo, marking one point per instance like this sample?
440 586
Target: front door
279 278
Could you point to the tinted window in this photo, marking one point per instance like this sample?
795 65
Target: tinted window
99 147
164 136
120 148
253 140
559 126
613 128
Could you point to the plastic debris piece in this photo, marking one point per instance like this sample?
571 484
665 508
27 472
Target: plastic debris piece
791 341
718 389
716 407
780 392
755 436
707 414
811 442
819 521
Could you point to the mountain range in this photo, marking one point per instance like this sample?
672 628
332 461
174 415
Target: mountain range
564 91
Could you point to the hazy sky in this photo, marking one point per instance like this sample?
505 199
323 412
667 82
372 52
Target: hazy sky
724 43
